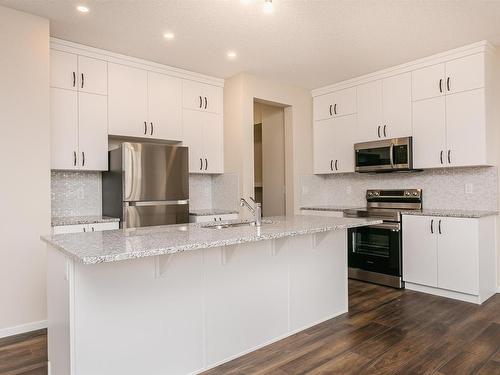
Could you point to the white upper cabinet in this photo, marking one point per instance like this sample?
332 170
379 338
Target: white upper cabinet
127 101
79 138
429 133
92 75
164 106
334 145
396 106
339 103
461 74
384 108
203 135
73 72
63 70
201 97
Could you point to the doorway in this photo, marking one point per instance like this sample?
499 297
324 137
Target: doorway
269 158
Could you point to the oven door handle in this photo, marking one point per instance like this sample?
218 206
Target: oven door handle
395 227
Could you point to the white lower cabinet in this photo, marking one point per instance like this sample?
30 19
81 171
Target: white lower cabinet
212 218
452 257
79 228
322 213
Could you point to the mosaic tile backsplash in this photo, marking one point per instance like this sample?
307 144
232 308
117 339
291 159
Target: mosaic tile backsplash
77 193
447 188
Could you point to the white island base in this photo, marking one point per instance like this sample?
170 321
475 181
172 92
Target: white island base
190 311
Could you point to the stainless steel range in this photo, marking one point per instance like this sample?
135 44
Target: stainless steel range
375 251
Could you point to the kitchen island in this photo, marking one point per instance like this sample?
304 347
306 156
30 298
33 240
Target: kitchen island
181 299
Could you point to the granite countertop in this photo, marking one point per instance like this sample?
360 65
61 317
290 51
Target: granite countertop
122 244
74 220
212 211
451 213
327 208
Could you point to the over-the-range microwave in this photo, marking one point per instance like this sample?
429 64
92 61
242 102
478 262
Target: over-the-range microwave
388 155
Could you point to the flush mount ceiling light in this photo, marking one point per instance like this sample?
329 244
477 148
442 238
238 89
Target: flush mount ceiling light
169 35
82 9
268 6
231 55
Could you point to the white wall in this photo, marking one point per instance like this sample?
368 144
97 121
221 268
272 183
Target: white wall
25 167
239 94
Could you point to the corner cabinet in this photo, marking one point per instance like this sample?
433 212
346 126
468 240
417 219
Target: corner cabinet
334 145
445 102
451 257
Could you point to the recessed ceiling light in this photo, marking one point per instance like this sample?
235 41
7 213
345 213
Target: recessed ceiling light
268 6
231 55
169 36
82 8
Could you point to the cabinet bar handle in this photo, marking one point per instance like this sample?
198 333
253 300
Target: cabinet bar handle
206 163
449 156
441 156
74 158
331 165
83 158
439 226
336 163
440 85
448 83
83 80
206 102
335 108
385 130
201 101
201 164
432 226
330 110
145 127
93 229
378 131
74 79
85 230
152 128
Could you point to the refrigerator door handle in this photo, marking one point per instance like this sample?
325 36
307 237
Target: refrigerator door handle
157 203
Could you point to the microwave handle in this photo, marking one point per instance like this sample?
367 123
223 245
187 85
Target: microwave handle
391 155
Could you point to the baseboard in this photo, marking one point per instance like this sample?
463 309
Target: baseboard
23 328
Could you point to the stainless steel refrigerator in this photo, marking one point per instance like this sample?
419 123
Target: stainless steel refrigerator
147 184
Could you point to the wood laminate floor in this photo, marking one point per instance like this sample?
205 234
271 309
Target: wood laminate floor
386 331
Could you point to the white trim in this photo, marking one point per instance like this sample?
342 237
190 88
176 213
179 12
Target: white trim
443 293
23 328
498 289
96 53
479 47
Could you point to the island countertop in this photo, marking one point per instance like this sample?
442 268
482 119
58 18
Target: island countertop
123 244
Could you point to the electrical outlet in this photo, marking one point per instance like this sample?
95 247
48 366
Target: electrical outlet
469 189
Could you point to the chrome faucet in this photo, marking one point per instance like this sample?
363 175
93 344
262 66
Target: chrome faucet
256 210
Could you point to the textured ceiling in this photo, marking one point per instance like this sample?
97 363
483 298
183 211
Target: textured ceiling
304 43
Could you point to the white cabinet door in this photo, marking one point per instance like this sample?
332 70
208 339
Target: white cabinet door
344 102
213 147
323 106
192 126
342 143
466 73
396 101
64 128
428 82
64 229
192 95
466 128
323 133
92 75
165 107
93 131
127 101
458 255
63 70
213 98
99 227
420 259
429 133
369 109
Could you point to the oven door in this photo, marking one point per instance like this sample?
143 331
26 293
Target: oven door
376 248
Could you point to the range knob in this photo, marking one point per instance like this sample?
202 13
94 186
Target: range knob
407 193
370 194
415 194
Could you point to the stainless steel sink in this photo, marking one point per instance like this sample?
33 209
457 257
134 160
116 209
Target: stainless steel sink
234 224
